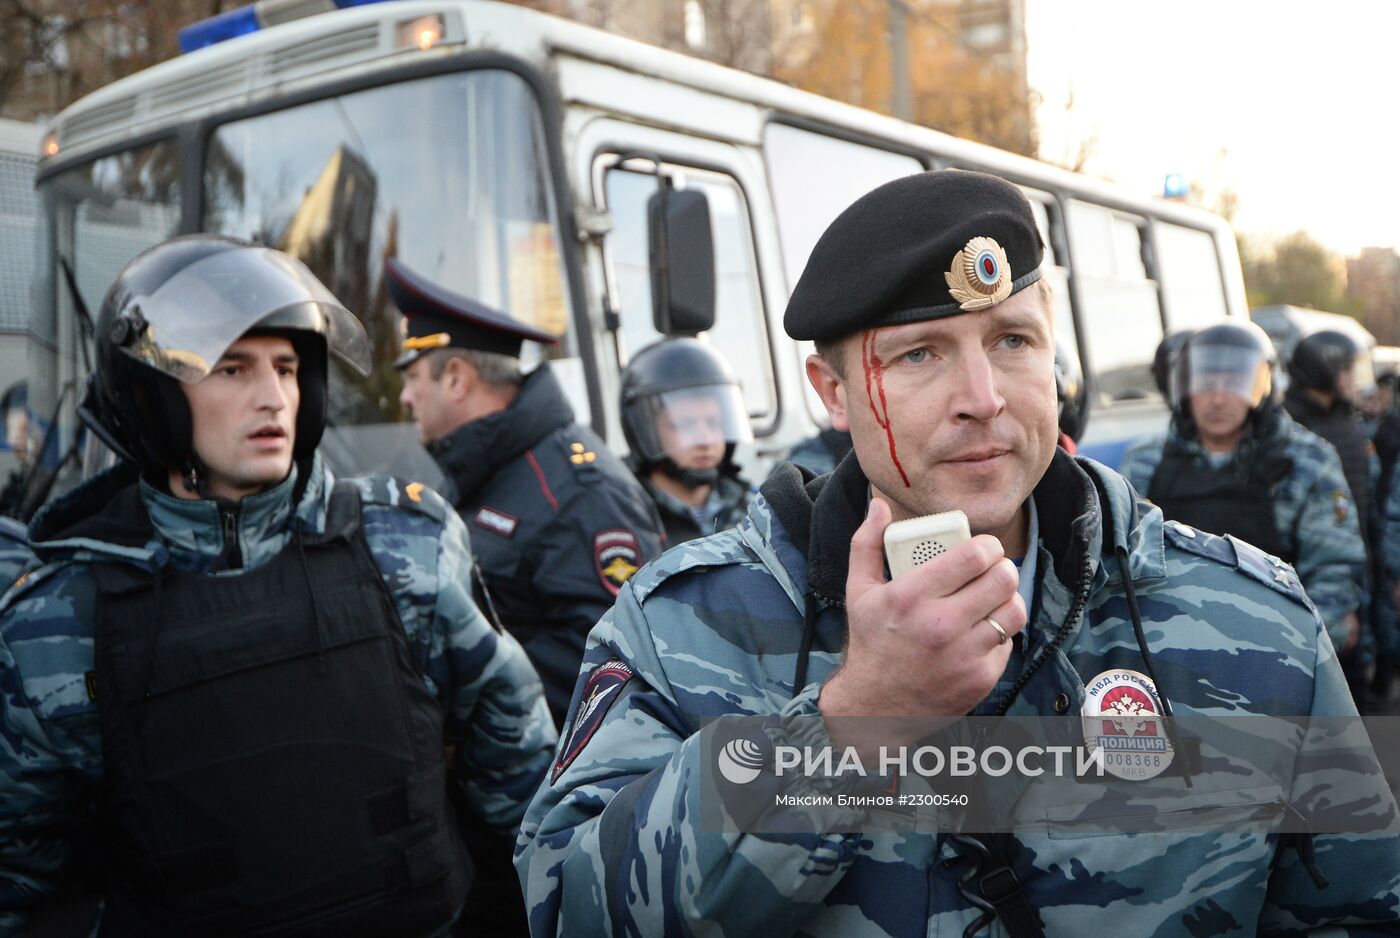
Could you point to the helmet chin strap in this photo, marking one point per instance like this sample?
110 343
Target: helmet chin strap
690 478
193 477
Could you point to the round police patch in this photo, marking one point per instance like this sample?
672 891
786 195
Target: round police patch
616 557
599 691
1341 505
1123 718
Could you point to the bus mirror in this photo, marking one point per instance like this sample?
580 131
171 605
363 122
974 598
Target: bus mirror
681 253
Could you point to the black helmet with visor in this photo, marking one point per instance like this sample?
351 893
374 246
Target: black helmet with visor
676 394
171 315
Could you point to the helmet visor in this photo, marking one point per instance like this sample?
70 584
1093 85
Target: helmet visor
679 422
186 325
1230 369
1362 383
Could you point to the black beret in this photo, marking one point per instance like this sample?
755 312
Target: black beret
435 317
922 247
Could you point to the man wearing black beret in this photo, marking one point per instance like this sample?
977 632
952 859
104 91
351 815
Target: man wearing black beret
935 350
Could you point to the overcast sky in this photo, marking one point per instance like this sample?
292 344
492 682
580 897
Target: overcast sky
1295 105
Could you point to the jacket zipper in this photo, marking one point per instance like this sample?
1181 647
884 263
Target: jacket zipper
232 554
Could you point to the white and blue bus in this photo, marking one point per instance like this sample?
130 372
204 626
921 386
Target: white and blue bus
19 218
511 155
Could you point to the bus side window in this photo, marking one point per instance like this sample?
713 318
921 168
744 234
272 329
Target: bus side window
813 178
740 333
1190 271
1055 270
1119 312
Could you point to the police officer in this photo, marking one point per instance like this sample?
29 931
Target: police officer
1072 393
1235 463
558 522
682 415
15 418
1328 376
15 555
935 349
1165 358
249 670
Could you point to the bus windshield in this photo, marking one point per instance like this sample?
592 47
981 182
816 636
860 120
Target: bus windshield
447 173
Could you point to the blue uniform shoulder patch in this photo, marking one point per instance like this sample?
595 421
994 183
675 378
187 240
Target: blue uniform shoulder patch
400 493
1245 557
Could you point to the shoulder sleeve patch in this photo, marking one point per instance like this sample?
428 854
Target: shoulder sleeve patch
616 557
402 493
603 687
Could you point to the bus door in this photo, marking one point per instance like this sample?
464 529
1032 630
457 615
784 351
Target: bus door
622 164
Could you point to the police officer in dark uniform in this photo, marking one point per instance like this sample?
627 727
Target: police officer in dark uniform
683 413
1328 373
558 523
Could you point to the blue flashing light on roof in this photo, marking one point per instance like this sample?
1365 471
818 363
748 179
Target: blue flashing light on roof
230 25
1175 186
255 16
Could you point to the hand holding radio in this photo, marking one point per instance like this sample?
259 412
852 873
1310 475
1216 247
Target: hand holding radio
935 638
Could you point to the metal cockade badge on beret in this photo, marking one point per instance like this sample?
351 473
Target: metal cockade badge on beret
980 275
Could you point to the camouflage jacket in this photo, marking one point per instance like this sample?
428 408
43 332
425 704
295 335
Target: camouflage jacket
497 724
821 452
726 507
614 846
1311 510
15 555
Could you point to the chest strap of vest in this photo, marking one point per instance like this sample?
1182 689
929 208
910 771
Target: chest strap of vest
999 894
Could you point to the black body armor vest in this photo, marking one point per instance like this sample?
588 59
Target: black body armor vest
1226 500
274 763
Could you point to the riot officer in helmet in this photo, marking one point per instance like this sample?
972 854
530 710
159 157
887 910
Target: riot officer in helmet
1073 395
239 672
1330 374
683 413
1165 358
1234 462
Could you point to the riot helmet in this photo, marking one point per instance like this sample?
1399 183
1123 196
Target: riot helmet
683 411
170 316
1164 361
1234 357
1320 362
14 420
1072 392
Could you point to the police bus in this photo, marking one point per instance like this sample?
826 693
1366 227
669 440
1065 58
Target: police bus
19 154
544 167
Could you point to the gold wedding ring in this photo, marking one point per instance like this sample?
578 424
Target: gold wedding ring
1000 631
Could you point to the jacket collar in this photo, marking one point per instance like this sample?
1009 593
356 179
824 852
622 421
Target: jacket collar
116 515
1086 512
475 451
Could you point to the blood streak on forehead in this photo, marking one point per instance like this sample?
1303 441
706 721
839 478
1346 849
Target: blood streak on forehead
875 384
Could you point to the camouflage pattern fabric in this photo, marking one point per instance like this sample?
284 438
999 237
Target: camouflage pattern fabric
1312 509
613 846
822 451
15 555
497 723
727 505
